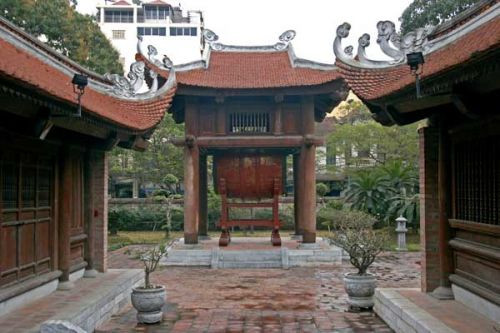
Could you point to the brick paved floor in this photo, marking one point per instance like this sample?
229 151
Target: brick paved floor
262 300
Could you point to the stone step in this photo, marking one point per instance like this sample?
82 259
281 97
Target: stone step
247 256
249 264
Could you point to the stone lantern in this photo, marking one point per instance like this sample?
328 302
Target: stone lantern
401 231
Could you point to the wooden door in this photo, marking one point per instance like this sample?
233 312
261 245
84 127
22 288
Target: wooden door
78 235
26 215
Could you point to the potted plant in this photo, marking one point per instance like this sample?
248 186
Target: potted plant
354 233
149 299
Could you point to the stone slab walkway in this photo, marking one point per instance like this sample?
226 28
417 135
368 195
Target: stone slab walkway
263 300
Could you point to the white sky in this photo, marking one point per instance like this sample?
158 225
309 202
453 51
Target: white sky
260 22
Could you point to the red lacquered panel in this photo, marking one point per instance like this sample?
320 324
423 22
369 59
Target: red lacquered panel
248 176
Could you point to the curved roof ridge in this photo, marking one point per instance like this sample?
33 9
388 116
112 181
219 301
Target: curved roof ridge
396 46
48 73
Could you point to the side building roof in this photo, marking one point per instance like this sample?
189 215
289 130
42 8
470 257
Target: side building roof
471 38
45 75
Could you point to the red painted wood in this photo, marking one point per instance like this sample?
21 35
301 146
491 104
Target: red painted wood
248 176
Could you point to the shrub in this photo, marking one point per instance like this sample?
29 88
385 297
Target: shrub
353 231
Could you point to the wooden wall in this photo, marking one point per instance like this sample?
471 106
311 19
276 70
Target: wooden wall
29 208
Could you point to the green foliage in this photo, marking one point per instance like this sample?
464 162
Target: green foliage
367 192
407 206
373 142
421 13
161 163
321 189
386 191
73 34
144 219
353 232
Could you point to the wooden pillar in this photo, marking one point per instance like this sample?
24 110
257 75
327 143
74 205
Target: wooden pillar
88 207
297 189
278 115
220 116
203 228
443 291
65 216
429 207
308 196
96 211
307 171
191 194
191 174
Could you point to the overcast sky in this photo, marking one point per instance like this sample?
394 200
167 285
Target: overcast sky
260 22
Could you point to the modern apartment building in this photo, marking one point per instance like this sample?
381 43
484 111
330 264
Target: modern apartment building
173 31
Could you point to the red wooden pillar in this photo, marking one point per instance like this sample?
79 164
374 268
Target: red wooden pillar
65 216
297 190
307 172
203 228
191 174
191 194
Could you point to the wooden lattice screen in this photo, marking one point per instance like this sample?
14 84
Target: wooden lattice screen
476 181
249 122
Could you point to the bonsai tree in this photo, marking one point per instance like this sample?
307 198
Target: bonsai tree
353 231
150 258
149 299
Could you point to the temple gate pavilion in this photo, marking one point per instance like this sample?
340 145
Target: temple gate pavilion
53 163
250 107
459 148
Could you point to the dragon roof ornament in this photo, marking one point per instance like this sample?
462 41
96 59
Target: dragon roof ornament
391 43
130 87
284 40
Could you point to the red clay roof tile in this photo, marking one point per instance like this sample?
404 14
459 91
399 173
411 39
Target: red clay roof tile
23 67
247 70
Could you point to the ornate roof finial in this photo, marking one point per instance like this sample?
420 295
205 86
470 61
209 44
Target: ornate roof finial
390 42
285 39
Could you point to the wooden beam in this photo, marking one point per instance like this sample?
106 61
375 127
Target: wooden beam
253 141
462 106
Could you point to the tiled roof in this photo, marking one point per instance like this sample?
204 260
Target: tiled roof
24 68
375 83
157 2
121 3
253 70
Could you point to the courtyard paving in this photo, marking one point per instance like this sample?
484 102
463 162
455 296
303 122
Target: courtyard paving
262 300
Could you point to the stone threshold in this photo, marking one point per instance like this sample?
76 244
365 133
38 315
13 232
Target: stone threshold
302 255
90 303
408 310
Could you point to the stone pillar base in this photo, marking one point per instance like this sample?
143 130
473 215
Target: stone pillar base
90 273
309 237
442 293
65 285
190 238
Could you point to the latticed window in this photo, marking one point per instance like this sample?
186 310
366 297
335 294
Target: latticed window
249 122
476 181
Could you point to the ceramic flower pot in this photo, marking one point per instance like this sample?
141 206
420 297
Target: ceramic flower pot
149 304
360 289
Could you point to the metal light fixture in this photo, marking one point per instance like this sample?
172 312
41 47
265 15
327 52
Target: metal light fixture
79 82
416 62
